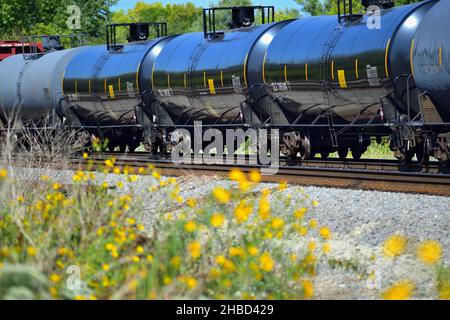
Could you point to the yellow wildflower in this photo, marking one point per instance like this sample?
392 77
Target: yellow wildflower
394 246
300 213
3 173
21 199
156 175
85 155
110 162
242 213
326 248
236 251
312 223
282 186
253 251
237 175
217 220
190 226
264 208
191 202
31 251
255 176
266 262
308 289
55 278
175 262
105 267
229 265
135 259
191 282
277 223
400 291
325 233
244 186
311 246
150 258
220 260
315 203
223 196
429 252
195 249
140 250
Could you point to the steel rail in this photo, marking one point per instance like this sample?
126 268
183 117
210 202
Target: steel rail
370 175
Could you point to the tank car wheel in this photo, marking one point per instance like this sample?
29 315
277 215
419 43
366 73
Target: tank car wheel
112 147
132 147
305 149
422 153
343 153
407 156
356 154
325 154
123 147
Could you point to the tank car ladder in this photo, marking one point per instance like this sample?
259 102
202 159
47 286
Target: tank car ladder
95 75
192 64
326 89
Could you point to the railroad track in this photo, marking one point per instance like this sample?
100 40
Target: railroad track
380 175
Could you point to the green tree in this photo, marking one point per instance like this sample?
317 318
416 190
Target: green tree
327 7
20 18
179 17
287 14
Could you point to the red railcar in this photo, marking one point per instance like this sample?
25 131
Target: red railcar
9 48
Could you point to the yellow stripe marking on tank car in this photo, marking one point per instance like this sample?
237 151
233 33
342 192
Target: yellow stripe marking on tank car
285 74
153 76
204 79
168 81
221 78
264 67
440 56
386 58
245 70
332 70
212 88
411 56
90 85
111 92
306 72
137 77
356 69
342 81
185 80
105 84
62 82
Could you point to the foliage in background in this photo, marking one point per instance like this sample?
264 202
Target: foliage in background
36 17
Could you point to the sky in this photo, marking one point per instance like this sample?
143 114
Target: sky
279 4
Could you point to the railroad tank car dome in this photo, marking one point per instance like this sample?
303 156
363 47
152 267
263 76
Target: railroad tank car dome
431 57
